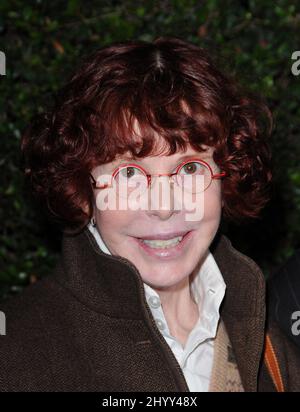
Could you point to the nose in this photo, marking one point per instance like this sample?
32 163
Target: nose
161 198
161 214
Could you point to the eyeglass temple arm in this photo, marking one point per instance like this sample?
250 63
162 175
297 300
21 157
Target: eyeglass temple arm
219 175
94 184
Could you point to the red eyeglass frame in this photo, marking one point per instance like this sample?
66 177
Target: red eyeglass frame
149 176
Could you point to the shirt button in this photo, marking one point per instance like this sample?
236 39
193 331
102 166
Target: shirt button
154 302
160 324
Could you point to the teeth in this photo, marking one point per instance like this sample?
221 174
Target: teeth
163 243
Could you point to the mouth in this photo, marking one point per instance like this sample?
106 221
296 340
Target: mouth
164 236
165 244
169 247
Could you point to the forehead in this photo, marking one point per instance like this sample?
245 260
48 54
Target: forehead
161 154
160 148
190 152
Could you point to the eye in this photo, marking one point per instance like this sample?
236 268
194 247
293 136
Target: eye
129 172
193 168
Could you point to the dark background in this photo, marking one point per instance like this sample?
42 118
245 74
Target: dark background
44 40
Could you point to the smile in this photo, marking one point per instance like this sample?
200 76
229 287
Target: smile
165 244
170 248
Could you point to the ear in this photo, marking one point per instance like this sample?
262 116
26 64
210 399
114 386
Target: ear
85 207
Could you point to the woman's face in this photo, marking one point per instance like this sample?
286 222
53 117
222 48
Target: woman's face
161 265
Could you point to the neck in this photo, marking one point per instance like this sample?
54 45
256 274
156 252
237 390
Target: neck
180 309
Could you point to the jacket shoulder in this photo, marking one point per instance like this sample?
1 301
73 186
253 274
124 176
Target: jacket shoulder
284 296
287 355
25 348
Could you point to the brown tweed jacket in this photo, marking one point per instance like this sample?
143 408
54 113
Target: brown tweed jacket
87 327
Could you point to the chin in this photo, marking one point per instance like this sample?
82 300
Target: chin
165 274
157 281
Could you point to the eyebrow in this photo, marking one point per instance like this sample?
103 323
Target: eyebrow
200 155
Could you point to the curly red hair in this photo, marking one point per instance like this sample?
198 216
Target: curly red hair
171 88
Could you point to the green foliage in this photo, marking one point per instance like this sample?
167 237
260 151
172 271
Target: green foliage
43 41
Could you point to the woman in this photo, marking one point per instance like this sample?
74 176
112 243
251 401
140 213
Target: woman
146 296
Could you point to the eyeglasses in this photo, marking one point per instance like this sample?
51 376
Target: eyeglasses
133 176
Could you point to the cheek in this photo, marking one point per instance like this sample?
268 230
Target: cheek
113 219
213 204
114 224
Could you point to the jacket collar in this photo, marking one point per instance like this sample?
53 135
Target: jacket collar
112 286
243 308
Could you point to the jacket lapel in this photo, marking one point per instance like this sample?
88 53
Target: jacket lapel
243 309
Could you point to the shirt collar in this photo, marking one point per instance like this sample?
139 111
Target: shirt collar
98 238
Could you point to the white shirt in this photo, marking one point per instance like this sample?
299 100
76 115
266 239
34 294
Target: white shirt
196 357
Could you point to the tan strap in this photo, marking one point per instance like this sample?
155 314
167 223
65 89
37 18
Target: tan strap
273 364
